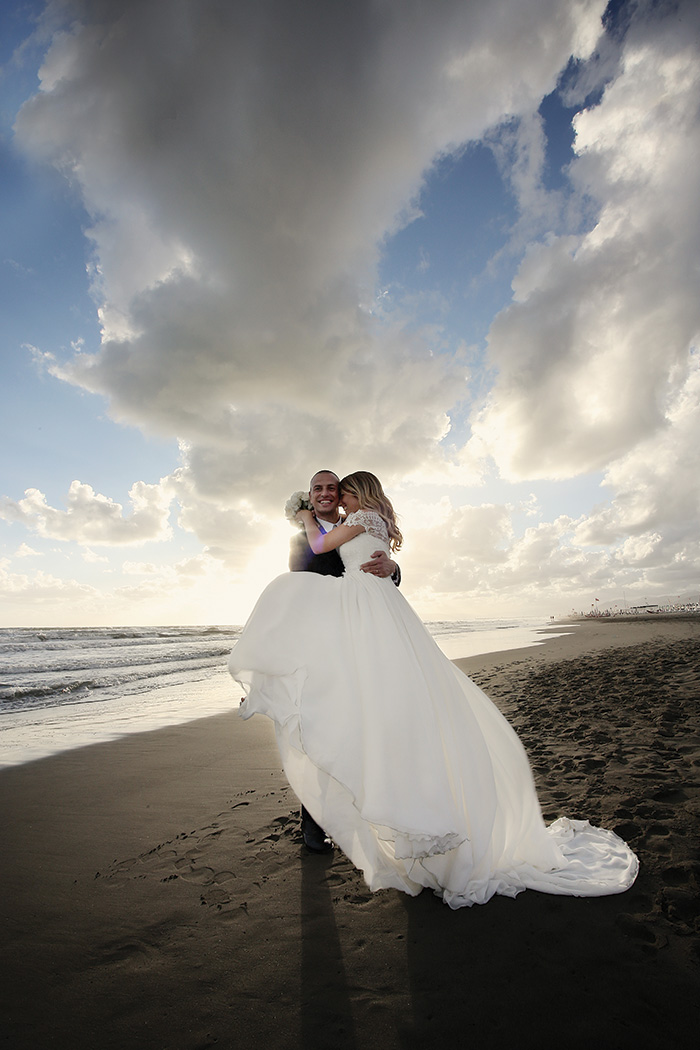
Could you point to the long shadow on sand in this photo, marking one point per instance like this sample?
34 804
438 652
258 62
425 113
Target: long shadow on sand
326 1012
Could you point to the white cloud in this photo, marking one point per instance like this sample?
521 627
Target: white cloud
42 589
655 508
25 551
242 164
530 506
195 590
519 147
596 344
189 567
91 518
93 559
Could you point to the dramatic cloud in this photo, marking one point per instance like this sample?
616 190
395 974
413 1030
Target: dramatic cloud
94 519
596 347
242 164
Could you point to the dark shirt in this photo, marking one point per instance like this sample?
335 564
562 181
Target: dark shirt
303 559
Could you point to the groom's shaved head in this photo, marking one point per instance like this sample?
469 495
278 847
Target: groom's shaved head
331 472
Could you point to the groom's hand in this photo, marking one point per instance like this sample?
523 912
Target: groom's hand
380 564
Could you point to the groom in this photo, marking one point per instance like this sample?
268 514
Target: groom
324 494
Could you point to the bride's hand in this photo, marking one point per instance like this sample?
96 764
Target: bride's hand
304 516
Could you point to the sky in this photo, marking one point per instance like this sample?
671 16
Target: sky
453 243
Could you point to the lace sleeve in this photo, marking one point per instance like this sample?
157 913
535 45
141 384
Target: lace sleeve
373 523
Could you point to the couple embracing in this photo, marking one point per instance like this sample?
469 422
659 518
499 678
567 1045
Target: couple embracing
325 499
402 760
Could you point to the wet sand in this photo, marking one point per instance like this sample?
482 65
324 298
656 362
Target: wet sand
156 893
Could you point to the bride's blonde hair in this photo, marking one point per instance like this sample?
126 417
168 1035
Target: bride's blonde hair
368 491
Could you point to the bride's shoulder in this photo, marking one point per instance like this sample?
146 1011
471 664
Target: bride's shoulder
372 521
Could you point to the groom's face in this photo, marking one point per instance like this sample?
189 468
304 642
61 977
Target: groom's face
323 495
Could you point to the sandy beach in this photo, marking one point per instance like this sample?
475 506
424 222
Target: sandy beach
156 893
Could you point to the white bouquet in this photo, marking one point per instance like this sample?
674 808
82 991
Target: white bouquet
297 501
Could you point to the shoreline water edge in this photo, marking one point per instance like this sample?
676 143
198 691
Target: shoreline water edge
62 687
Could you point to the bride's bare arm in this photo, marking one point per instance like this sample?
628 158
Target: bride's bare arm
321 543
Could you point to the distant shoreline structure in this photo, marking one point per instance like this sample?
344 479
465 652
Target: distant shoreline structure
635 612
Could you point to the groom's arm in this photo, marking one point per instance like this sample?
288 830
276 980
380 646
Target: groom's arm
300 554
380 564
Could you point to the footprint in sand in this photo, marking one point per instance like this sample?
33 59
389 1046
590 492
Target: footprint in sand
191 872
641 931
115 952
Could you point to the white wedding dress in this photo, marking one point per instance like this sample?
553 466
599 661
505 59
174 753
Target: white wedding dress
399 756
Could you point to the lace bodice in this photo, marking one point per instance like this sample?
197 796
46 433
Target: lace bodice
375 537
374 523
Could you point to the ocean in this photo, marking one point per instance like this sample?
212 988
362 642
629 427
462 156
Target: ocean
62 688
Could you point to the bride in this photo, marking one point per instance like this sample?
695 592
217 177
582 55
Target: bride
397 754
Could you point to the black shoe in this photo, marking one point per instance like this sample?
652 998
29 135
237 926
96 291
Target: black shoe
315 838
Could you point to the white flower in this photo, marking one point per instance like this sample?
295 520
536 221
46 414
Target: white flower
297 501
